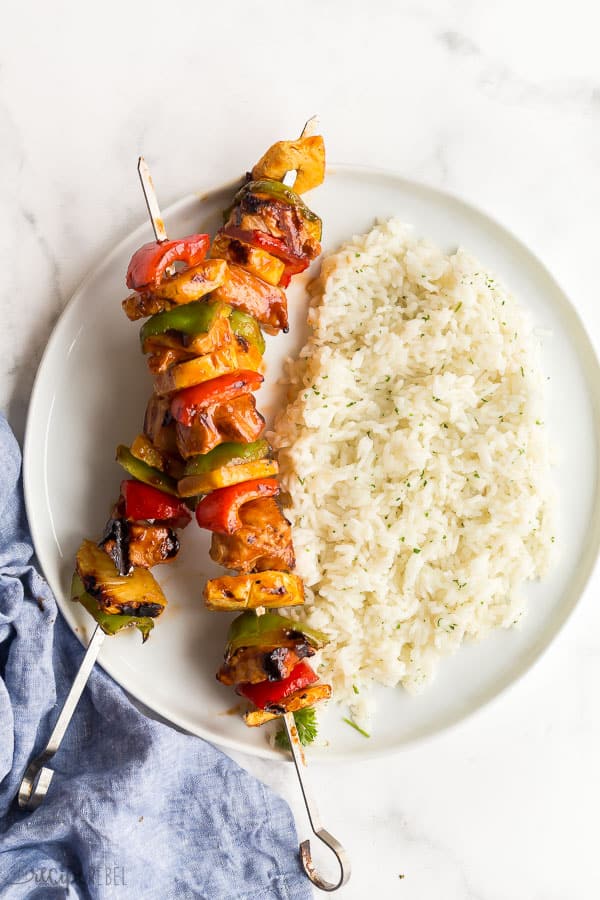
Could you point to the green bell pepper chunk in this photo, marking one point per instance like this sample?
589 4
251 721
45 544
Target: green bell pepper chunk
191 318
110 624
247 327
137 468
250 630
198 318
228 454
279 191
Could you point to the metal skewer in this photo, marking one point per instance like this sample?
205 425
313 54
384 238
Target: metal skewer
314 819
37 778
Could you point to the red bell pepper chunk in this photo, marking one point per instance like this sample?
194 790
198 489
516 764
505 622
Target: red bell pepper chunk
265 693
148 264
142 501
187 403
220 510
293 268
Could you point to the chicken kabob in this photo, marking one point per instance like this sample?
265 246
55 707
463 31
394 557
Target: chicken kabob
204 346
112 580
206 359
203 335
268 231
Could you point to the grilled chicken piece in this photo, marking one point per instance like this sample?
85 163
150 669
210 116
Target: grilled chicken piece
159 425
162 358
184 287
263 542
249 591
253 664
139 306
257 212
237 420
170 348
200 437
138 544
245 291
306 156
300 700
137 594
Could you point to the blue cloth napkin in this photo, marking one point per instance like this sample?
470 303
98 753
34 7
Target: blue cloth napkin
136 809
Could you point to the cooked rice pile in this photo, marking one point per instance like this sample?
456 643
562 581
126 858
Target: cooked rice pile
415 454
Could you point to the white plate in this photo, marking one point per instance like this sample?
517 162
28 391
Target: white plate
90 395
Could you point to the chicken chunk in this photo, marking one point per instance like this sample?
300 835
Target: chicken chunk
139 544
306 156
237 420
254 664
263 542
245 291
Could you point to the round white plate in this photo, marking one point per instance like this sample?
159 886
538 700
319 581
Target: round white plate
90 395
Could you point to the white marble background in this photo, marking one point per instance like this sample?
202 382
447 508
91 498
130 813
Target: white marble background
499 102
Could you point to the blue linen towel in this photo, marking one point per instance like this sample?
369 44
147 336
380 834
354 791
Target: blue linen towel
136 809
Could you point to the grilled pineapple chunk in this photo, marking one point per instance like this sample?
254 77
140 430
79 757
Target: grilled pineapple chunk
270 589
300 700
138 594
192 485
193 283
248 356
253 259
195 371
228 358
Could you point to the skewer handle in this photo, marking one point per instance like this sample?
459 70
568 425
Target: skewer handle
36 780
314 819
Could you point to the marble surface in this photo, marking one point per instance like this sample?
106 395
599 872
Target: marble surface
497 102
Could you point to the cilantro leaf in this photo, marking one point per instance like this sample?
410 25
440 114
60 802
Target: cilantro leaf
306 723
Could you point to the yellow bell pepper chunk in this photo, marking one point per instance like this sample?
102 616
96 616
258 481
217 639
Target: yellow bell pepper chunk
192 485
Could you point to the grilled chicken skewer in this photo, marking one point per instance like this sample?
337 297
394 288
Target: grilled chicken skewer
113 584
252 537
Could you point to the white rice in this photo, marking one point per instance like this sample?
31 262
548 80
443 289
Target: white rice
415 454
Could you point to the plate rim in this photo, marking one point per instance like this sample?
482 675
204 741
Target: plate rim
325 755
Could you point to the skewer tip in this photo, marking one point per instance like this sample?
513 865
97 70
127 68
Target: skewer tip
310 127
